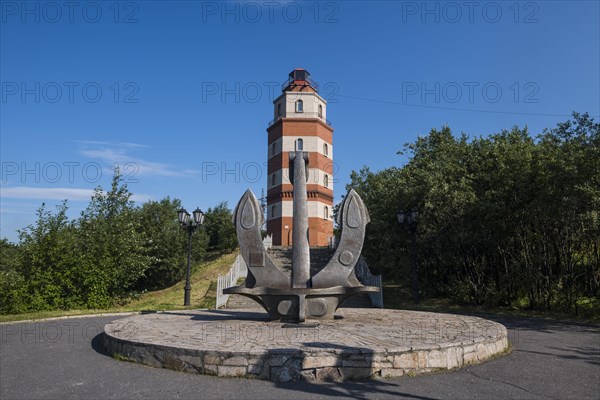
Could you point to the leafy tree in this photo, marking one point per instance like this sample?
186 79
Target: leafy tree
11 280
220 229
505 219
113 246
110 252
49 257
166 243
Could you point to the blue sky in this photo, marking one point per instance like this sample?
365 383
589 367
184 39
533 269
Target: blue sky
179 93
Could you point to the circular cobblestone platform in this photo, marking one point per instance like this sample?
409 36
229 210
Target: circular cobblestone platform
359 343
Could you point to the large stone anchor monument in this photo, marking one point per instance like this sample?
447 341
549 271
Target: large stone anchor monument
365 343
300 297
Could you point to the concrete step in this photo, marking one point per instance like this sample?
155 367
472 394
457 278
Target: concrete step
319 257
282 257
237 301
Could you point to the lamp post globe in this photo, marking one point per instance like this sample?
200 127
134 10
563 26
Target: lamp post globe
181 215
412 217
401 216
198 216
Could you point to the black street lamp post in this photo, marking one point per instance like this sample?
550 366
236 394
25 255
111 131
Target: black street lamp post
410 219
191 225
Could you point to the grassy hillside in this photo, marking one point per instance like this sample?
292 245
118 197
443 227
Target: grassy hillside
203 280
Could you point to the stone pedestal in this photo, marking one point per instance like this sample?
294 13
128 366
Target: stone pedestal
358 344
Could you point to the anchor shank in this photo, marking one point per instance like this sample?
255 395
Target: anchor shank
300 246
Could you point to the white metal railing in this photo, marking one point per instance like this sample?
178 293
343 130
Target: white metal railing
377 297
268 242
238 270
364 276
332 243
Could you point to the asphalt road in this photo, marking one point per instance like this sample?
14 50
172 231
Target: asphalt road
61 359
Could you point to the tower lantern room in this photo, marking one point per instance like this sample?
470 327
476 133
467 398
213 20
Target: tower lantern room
300 123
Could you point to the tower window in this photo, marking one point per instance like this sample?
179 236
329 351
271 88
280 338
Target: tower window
325 149
320 111
326 181
279 110
299 144
326 212
273 149
299 106
273 179
272 211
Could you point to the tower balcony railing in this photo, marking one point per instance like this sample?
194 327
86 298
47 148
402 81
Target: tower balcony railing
302 115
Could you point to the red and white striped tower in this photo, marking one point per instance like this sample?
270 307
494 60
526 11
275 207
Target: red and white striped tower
300 124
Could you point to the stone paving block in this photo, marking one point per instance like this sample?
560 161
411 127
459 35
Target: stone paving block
210 369
482 352
150 361
194 361
410 360
237 361
381 365
255 369
328 374
470 348
308 375
454 357
391 373
277 361
357 363
127 349
320 361
379 357
256 361
470 358
172 362
231 371
350 373
437 359
212 358
290 371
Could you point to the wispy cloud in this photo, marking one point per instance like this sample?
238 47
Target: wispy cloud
117 144
74 194
119 154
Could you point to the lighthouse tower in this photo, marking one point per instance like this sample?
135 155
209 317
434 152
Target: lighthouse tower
300 124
